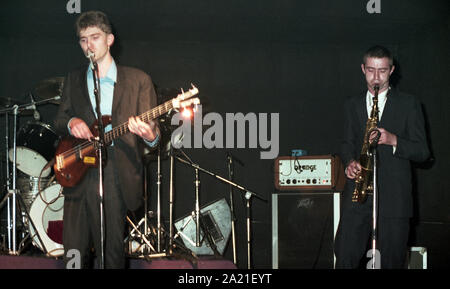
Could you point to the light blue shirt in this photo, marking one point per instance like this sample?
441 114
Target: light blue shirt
106 91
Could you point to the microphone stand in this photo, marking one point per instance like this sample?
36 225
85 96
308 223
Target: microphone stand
159 201
171 199
375 265
248 195
233 236
101 149
233 217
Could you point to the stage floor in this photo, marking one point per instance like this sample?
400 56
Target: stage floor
42 262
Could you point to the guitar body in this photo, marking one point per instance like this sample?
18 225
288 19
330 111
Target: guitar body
75 156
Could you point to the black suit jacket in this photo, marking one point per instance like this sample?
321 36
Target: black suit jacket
133 94
403 117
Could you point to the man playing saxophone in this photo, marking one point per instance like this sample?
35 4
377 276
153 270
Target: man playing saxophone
399 138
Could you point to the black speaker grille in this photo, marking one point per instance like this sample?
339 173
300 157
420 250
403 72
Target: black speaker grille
305 231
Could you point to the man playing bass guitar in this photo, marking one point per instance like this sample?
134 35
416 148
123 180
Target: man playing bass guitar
125 92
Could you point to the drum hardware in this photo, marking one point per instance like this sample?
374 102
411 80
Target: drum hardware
247 193
143 245
152 241
143 241
27 221
12 198
9 102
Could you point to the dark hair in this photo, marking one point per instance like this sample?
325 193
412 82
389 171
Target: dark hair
378 52
93 18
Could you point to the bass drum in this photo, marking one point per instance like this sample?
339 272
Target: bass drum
35 147
47 215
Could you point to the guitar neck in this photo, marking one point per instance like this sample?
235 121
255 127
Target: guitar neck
145 117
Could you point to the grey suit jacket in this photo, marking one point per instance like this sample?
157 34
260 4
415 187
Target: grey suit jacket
133 94
403 117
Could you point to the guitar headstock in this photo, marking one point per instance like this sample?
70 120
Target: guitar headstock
176 102
189 102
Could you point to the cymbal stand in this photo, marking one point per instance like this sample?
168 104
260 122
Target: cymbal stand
143 236
196 212
11 195
12 234
248 195
8 193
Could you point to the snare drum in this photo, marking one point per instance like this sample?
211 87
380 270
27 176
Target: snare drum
29 187
47 213
35 147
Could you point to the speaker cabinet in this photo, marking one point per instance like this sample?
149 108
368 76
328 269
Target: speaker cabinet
303 229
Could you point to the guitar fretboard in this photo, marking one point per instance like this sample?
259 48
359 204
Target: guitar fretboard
145 117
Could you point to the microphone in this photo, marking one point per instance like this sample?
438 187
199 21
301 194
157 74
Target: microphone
36 114
91 57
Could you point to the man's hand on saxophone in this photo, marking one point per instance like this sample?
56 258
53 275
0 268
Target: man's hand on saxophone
352 169
386 137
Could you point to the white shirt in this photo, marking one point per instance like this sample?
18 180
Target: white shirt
382 98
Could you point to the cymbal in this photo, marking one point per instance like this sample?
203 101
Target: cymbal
49 88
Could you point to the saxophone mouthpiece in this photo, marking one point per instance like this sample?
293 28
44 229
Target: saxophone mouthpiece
376 87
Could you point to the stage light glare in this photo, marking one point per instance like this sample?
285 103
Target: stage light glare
187 113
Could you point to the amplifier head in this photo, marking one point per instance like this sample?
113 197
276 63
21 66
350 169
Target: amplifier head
323 172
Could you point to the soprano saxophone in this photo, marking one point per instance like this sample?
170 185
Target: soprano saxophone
364 179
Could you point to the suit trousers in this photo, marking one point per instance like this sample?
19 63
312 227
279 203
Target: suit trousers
355 234
82 230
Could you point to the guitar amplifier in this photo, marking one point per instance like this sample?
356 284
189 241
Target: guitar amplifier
309 173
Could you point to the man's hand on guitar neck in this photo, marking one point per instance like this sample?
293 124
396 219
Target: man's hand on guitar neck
79 129
147 131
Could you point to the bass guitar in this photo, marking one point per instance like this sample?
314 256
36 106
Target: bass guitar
73 156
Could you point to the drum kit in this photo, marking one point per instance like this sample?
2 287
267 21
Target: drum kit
33 200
